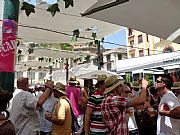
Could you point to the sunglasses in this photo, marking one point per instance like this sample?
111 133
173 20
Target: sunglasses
128 91
158 81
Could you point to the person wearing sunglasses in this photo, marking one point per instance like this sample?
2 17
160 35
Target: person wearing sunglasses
168 107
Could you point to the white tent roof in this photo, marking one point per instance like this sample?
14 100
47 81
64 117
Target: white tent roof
156 17
23 66
159 60
39 52
94 74
60 76
31 28
83 69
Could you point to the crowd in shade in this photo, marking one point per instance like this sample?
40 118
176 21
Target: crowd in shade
113 107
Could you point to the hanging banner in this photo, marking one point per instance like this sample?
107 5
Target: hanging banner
1 18
9 19
7 51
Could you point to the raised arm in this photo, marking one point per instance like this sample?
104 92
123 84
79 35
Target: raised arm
136 101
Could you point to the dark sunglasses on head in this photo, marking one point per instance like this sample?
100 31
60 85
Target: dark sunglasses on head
158 81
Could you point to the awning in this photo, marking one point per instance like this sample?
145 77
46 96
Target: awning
156 17
148 62
94 74
41 27
51 53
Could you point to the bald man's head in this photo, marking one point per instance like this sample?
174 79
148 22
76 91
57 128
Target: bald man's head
22 83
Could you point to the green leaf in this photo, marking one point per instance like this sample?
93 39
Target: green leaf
53 9
76 33
68 3
29 8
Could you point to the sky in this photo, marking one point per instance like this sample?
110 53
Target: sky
117 38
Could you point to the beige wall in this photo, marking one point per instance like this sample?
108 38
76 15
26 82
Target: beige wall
148 43
163 45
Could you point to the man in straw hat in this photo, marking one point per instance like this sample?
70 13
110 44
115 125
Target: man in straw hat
61 116
94 124
176 89
169 103
114 105
75 97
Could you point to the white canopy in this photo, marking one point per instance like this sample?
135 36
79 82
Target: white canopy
94 74
163 60
23 66
39 27
60 76
83 69
160 18
54 53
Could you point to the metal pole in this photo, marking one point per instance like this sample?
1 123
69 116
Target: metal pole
99 54
67 70
50 72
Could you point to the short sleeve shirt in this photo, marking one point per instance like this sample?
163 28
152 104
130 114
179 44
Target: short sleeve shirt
167 125
97 125
62 111
113 109
23 113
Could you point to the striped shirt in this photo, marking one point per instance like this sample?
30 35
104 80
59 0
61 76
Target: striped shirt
97 126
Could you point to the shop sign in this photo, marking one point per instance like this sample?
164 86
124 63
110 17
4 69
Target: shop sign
171 60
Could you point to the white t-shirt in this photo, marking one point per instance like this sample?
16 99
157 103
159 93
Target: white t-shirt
167 125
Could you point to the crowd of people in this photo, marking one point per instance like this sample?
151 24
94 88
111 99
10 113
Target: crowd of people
113 108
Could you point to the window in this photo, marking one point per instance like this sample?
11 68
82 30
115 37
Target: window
131 43
119 56
31 75
132 55
141 53
108 57
147 38
168 49
18 74
42 75
109 66
94 61
148 51
130 31
140 39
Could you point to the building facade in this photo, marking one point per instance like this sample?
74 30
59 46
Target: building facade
140 44
110 57
165 46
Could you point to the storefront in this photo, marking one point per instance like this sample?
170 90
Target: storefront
154 64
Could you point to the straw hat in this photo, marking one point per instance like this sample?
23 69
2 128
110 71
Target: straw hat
176 86
73 80
111 83
101 78
77 83
60 87
136 85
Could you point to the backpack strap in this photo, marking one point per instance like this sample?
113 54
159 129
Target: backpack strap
73 117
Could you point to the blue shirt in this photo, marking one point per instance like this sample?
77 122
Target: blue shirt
48 106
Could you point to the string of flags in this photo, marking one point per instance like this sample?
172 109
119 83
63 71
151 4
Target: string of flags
53 5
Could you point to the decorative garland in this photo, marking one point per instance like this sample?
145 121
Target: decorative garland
53 7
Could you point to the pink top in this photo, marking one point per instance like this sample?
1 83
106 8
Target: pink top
74 95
